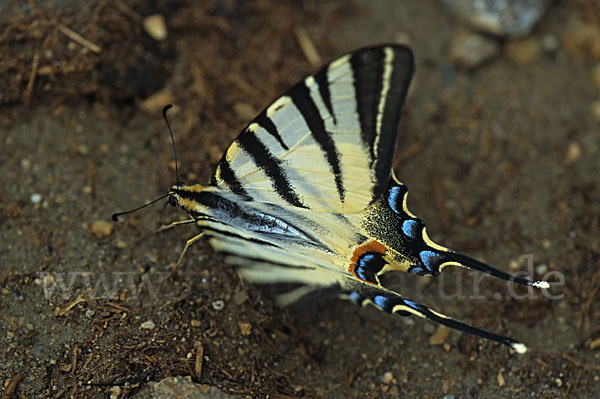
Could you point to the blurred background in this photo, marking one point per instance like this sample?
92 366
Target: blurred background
499 146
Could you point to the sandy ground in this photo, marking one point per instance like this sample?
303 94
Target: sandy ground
501 161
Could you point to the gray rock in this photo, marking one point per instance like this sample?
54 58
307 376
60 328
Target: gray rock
512 18
181 388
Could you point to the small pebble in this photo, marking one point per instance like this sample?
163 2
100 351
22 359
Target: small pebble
244 111
582 40
514 265
387 377
549 43
155 27
240 297
121 244
558 382
101 228
469 50
573 153
440 336
115 392
501 381
525 51
218 305
195 323
541 269
148 325
246 328
36 198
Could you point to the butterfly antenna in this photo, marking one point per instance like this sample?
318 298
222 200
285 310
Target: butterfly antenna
164 112
115 216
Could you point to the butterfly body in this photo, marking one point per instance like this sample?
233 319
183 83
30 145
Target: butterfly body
305 196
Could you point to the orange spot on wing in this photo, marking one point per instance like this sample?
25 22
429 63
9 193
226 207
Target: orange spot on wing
371 246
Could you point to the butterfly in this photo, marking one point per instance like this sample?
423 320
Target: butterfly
305 197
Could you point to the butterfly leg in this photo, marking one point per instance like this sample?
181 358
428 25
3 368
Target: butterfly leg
187 245
165 227
391 302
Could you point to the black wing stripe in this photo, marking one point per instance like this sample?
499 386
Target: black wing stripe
264 159
323 82
300 95
399 80
270 127
368 70
227 175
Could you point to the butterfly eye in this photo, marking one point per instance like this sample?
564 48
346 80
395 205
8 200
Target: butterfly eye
173 200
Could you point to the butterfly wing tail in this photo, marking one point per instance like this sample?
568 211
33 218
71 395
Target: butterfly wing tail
390 221
391 302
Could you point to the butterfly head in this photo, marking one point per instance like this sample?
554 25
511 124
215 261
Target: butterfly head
174 193
191 198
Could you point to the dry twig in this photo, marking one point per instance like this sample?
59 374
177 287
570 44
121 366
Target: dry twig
29 90
76 37
12 384
307 46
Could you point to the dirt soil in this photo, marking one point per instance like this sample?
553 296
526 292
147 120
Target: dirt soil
501 161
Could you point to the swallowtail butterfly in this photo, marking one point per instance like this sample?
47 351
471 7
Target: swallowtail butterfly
305 197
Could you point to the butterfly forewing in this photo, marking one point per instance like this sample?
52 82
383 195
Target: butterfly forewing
328 143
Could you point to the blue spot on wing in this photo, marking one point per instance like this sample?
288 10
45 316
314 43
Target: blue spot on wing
428 258
360 272
419 271
355 297
410 228
413 305
365 259
380 301
395 198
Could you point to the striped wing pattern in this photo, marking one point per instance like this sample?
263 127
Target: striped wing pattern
328 143
305 195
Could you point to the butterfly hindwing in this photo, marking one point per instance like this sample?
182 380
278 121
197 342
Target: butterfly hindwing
328 143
